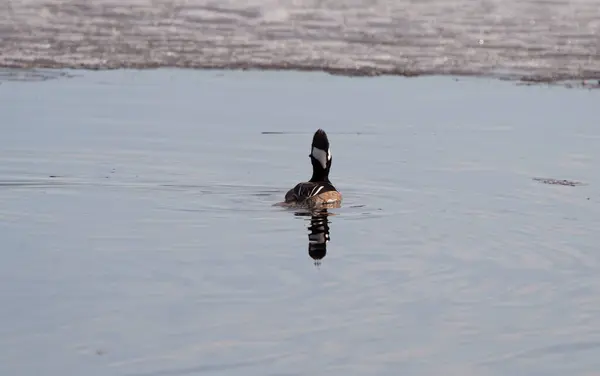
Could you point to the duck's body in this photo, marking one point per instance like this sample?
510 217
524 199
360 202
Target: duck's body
318 191
313 194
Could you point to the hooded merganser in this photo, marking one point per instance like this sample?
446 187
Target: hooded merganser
318 191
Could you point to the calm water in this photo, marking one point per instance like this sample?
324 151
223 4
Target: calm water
531 39
138 236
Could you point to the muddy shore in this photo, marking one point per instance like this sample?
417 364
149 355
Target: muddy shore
532 41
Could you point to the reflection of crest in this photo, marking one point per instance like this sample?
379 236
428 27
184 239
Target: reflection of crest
318 234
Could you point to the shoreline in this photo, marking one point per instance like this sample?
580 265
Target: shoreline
529 42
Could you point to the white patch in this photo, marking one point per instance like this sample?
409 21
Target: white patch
321 156
316 191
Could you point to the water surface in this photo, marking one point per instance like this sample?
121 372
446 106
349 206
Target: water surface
139 237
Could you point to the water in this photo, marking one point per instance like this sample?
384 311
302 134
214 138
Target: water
139 237
539 40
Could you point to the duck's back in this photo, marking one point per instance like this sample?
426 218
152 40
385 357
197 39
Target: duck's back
312 194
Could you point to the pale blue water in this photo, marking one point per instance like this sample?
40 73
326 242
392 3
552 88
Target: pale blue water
155 250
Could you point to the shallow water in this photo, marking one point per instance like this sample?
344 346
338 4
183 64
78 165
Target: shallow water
139 236
530 39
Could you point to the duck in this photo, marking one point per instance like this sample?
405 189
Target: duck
318 191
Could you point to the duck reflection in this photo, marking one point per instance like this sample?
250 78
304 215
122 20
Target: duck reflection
318 235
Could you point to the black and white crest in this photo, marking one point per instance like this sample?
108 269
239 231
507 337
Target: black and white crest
320 149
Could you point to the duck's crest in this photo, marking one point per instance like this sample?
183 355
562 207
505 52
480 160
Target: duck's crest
320 148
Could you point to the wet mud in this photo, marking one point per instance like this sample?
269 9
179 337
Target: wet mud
533 41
